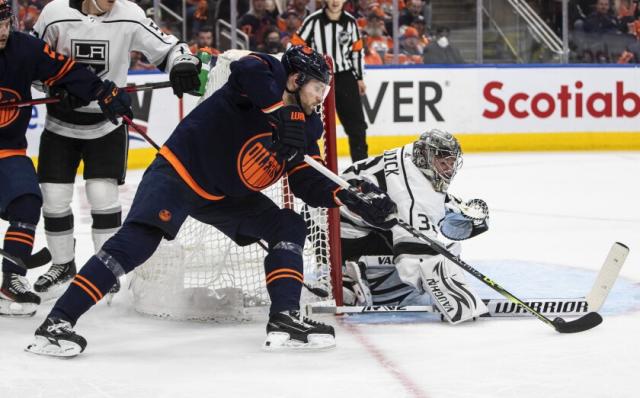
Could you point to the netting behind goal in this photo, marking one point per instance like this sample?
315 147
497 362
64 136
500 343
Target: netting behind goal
203 275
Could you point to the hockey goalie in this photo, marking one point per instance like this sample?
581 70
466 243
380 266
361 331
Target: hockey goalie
394 268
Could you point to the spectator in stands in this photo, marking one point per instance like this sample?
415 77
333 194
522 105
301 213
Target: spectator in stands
420 26
363 8
377 39
440 51
256 22
299 7
410 46
137 61
370 57
602 20
412 11
631 55
204 39
271 43
291 22
224 9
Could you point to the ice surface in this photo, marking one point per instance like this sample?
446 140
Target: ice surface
554 217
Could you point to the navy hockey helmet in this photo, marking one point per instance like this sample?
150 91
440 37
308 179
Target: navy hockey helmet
309 63
438 155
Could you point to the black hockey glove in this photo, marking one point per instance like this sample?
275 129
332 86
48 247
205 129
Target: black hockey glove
68 101
371 203
289 137
113 101
184 74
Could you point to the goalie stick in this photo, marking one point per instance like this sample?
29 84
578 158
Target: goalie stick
586 322
34 261
593 301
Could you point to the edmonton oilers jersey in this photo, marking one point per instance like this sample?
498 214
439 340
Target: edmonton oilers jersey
26 59
222 147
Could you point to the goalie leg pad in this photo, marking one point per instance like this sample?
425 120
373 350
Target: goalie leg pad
445 282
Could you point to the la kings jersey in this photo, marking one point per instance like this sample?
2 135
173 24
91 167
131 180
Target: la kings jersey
103 43
418 203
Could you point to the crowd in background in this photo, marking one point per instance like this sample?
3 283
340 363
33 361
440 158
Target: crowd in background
602 31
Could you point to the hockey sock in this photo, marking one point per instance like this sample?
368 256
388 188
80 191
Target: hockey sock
106 211
59 231
23 214
105 225
284 276
127 249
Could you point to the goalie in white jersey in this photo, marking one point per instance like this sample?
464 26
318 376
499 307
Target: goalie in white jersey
100 34
395 268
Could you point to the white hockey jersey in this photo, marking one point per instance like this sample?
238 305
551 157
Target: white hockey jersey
104 43
418 203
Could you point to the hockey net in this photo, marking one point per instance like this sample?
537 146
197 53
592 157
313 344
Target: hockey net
204 275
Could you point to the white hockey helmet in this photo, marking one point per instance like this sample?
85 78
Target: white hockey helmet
438 155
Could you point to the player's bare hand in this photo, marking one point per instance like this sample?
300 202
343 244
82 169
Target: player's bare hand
362 88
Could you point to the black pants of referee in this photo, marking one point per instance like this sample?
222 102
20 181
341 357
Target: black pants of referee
349 109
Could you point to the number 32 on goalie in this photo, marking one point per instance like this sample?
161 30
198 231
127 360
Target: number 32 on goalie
423 223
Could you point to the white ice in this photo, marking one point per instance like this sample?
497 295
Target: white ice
560 211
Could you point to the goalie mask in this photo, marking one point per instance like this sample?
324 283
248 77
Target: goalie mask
438 155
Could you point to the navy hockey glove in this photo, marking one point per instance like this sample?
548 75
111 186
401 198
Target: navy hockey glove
184 74
113 101
289 137
371 203
68 101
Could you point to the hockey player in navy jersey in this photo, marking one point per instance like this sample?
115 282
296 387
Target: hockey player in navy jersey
100 34
24 59
237 142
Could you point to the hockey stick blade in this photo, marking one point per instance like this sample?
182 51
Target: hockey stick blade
34 261
589 321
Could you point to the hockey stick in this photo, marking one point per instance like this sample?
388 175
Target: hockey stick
586 322
55 99
139 130
593 301
34 261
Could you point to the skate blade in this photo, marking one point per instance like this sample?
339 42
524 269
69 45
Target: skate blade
65 349
53 292
12 309
279 341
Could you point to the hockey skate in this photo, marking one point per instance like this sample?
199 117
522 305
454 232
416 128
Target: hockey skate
55 281
56 337
16 297
355 287
289 330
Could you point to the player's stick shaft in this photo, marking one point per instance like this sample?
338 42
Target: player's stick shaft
53 100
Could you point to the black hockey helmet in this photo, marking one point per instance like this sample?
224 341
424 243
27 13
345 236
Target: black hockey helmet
5 10
309 63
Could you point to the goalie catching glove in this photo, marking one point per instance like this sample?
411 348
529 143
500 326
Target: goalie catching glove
370 203
464 220
289 138
184 75
113 101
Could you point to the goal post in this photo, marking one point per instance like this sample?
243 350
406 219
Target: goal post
203 275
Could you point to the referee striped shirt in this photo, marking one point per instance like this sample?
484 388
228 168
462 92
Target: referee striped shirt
340 39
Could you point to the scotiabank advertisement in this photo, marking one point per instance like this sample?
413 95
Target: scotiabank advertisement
503 100
471 102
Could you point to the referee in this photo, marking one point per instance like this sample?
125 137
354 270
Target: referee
333 31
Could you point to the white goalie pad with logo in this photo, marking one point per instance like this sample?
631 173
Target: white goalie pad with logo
445 282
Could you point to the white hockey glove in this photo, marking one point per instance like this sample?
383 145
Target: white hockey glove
184 74
464 220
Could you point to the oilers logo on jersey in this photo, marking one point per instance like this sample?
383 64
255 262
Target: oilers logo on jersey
93 53
8 115
258 167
